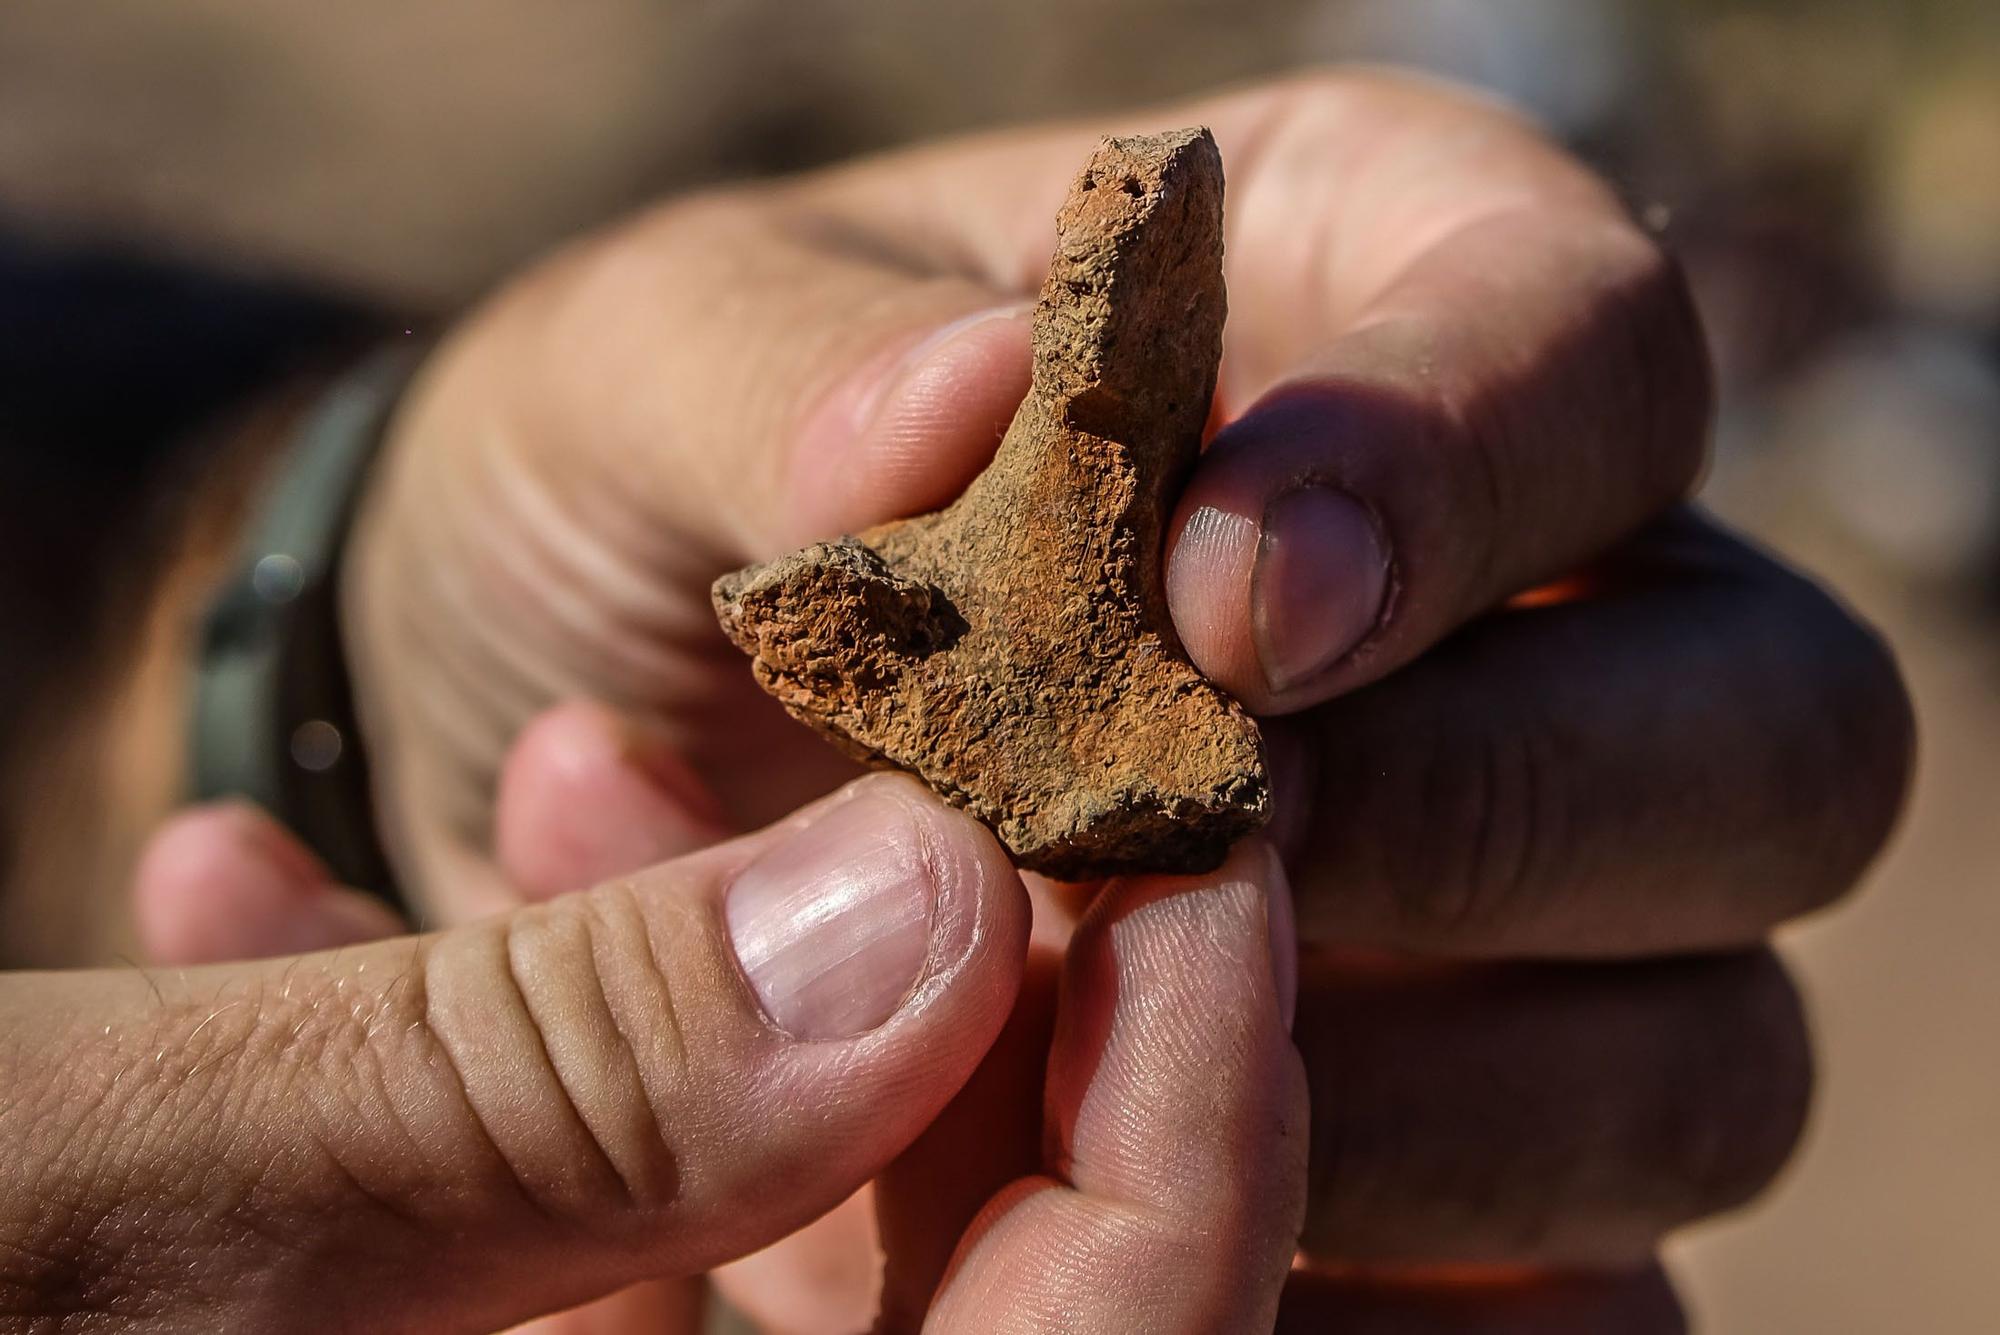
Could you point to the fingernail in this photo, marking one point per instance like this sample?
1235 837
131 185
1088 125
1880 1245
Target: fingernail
1317 590
832 927
1281 920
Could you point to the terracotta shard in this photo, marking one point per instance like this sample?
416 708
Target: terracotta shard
1014 651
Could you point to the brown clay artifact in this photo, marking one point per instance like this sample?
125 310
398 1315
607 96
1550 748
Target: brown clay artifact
1014 651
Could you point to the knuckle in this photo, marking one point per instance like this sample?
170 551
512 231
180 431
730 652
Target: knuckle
1639 1098
1447 1159
566 1046
1317 93
1650 319
315 1051
1493 819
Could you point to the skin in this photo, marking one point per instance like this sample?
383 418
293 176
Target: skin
1572 755
460 1130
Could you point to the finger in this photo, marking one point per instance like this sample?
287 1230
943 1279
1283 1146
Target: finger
1705 747
821 1280
226 882
1460 368
1555 1115
988 1136
1175 1113
587 795
662 1307
723 419
921 1205
1529 393
1639 1303
761 367
1484 373
510 1118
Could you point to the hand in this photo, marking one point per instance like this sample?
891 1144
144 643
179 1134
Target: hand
1455 372
464 1130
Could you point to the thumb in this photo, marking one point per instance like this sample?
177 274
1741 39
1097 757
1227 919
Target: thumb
463 1130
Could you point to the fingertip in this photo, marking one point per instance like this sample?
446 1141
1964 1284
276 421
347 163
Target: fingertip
1210 560
1210 922
878 903
1176 1115
912 426
226 882
587 794
230 836
1204 966
199 872
940 420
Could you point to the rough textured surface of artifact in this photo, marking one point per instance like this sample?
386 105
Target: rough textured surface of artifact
1014 651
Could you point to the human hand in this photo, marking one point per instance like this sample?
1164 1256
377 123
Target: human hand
460 1131
1583 810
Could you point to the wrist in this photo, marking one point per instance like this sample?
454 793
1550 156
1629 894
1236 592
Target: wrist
273 712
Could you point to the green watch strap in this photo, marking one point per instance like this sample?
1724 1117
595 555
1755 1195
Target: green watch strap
274 718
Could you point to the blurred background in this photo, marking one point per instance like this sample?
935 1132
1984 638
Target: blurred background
203 202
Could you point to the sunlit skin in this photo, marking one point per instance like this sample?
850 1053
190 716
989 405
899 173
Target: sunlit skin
1538 842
